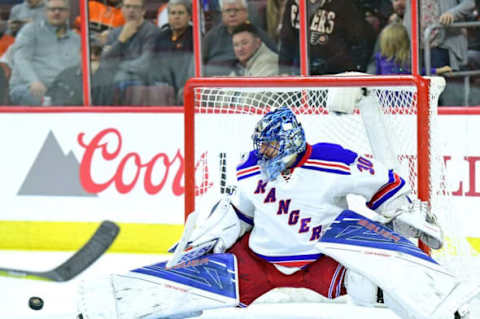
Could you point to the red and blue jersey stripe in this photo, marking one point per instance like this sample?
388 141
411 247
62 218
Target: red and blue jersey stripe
242 216
327 166
248 172
394 184
335 287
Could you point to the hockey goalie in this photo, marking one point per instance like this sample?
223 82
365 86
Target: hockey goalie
287 224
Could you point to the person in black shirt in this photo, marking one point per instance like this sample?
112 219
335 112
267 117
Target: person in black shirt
174 47
339 38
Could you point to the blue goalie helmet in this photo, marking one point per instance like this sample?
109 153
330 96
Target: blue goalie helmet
277 139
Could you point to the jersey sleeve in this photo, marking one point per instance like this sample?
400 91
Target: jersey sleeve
378 184
243 206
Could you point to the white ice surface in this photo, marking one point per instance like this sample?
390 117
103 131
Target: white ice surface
60 298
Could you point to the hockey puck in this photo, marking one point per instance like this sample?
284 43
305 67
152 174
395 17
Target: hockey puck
36 303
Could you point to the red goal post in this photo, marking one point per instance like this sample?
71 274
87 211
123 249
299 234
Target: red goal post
408 106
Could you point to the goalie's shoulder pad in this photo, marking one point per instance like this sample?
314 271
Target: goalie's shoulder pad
246 158
331 152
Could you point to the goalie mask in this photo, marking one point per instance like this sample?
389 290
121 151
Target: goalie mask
277 139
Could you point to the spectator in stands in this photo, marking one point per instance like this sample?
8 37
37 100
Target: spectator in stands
218 55
6 40
376 12
339 38
162 14
95 54
3 85
20 14
254 57
398 7
394 55
274 16
398 11
474 41
127 56
448 45
43 49
178 31
174 47
212 14
103 15
67 88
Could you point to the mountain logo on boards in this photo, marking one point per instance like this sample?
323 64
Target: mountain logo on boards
53 173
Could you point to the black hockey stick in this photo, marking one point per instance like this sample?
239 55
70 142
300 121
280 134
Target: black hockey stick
78 262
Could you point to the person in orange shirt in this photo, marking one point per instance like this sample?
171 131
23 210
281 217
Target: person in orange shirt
6 39
103 16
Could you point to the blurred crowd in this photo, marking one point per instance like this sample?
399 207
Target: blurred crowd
141 51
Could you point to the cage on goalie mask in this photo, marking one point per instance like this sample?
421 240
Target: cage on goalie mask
278 136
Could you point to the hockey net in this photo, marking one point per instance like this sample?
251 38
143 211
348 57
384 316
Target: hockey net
221 113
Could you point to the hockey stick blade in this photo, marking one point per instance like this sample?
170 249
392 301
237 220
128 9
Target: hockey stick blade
103 238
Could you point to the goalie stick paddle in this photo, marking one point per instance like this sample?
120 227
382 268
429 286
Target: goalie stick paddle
182 244
103 238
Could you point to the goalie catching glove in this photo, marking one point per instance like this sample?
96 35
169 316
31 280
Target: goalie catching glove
417 220
413 218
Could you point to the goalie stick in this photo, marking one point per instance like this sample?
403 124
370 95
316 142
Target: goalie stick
224 188
78 262
343 101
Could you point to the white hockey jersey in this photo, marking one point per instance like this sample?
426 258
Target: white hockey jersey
290 214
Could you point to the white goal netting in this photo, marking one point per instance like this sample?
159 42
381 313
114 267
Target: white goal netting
224 116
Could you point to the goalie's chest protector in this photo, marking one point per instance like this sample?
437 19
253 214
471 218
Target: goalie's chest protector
291 212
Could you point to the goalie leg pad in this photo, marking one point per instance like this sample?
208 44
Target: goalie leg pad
385 258
156 292
396 307
362 291
457 300
96 298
